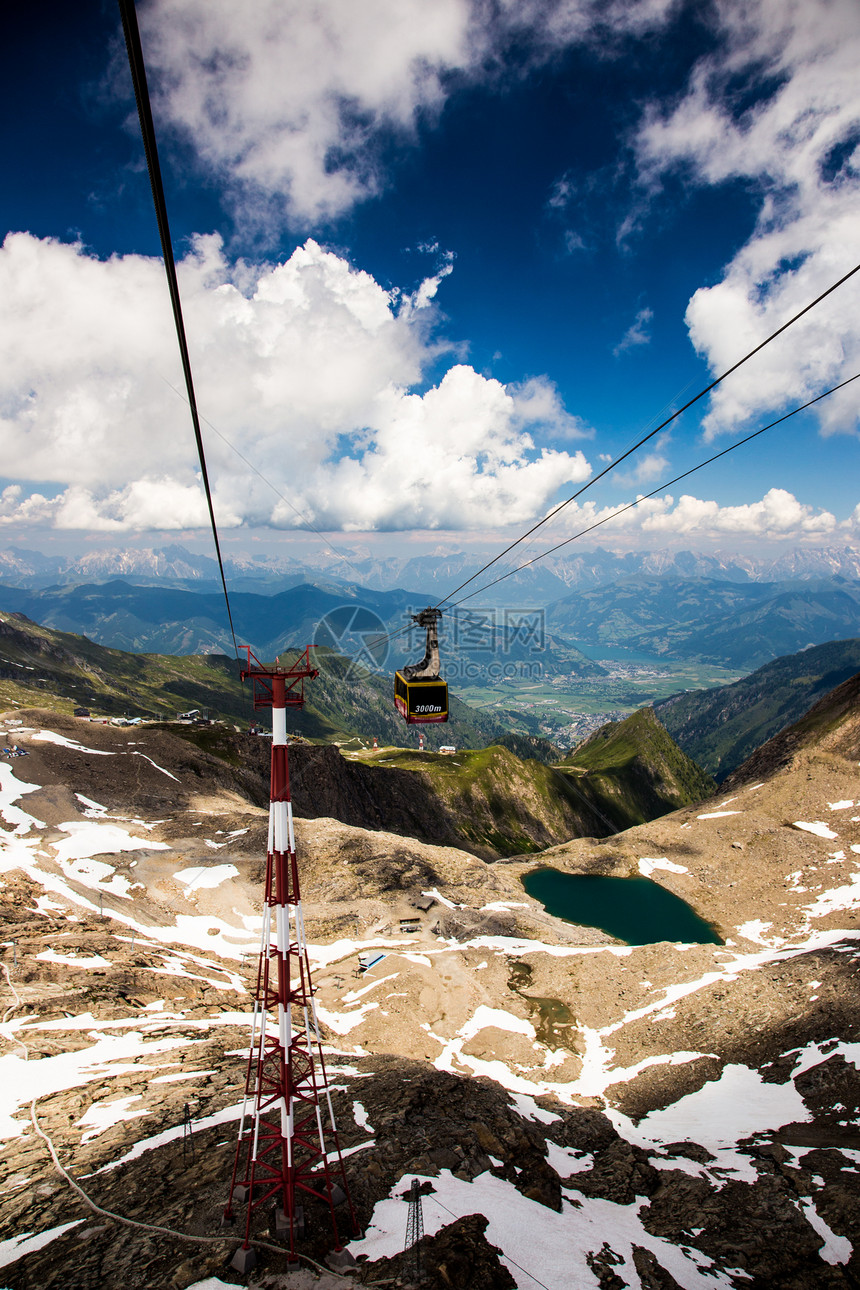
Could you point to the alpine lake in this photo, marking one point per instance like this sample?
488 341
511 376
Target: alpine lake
634 910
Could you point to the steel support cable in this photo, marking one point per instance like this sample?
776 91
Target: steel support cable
630 505
670 403
668 484
159 1227
147 129
662 426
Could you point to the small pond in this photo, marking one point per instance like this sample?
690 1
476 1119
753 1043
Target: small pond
635 910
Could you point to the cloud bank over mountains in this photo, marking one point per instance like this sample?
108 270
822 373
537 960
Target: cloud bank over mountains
306 368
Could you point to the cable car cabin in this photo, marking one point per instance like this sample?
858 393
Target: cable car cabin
420 694
420 701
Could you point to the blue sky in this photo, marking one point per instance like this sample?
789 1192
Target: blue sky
440 263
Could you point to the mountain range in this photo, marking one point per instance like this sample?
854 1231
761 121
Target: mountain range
719 728
349 619
59 670
436 572
736 625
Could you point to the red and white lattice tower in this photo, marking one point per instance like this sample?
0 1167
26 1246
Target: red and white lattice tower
282 1156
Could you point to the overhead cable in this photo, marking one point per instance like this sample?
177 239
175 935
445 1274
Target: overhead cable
668 484
147 129
662 426
739 443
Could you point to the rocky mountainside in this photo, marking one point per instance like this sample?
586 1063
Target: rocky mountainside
633 771
487 800
435 572
577 1112
832 724
719 728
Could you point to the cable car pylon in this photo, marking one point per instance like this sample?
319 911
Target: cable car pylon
282 1158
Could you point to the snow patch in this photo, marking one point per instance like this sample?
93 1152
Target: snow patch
647 866
343 1022
755 930
225 1116
837 898
443 900
485 1016
49 737
837 1249
567 1161
818 827
737 1105
155 766
360 1116
72 960
204 876
104 1115
88 840
17 1246
538 1244
528 1108
501 906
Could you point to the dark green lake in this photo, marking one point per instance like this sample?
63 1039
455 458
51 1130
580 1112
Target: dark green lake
635 910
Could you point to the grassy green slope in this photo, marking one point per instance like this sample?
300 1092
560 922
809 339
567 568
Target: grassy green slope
59 671
499 801
633 771
720 728
42 667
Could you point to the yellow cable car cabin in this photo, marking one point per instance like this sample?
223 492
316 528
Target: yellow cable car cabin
420 701
420 694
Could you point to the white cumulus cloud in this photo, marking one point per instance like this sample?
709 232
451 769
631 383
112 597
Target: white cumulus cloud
637 333
778 515
292 105
287 102
798 144
308 368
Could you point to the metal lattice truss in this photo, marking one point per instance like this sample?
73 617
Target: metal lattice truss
283 1156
